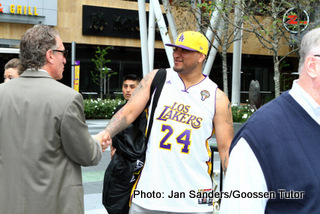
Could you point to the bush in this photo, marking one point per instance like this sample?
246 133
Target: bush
104 109
241 113
100 109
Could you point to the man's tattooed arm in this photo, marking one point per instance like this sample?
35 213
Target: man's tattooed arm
117 123
136 104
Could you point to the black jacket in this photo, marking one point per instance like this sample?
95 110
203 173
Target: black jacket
123 169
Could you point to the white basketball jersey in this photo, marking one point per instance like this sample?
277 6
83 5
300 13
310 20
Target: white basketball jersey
177 167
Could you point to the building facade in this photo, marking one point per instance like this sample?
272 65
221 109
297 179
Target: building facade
108 23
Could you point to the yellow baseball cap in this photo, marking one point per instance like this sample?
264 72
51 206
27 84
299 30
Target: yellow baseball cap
192 41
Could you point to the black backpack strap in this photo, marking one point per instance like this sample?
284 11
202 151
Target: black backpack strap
157 80
157 84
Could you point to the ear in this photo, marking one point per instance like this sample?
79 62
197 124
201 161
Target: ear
312 66
49 56
202 57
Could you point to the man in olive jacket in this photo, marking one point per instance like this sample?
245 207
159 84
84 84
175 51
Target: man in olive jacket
44 139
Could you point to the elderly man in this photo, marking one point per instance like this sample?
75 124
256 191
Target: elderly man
274 160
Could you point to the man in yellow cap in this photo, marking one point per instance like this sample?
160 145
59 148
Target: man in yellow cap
176 174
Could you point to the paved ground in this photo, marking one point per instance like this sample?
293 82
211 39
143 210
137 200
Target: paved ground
93 176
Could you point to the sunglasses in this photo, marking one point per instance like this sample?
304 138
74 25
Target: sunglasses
65 52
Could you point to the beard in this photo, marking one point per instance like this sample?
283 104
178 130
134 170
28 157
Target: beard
178 70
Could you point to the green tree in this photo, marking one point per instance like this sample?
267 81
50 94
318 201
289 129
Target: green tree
223 34
265 19
262 18
101 71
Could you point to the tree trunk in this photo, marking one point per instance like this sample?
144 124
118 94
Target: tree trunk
276 61
276 76
225 73
224 60
101 84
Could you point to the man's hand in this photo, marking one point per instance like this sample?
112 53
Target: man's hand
99 137
106 140
113 151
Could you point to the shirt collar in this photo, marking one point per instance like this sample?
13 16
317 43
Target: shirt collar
306 101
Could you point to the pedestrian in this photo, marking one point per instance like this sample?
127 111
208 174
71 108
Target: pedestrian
12 69
178 154
130 83
44 139
274 158
128 148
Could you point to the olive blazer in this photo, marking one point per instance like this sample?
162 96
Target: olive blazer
44 141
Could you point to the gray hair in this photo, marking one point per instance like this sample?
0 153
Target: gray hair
310 42
34 45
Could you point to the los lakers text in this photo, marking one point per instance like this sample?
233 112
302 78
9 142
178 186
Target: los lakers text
179 112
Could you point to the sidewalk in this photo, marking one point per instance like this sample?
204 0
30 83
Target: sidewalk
92 177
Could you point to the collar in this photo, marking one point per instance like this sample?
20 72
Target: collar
306 101
40 73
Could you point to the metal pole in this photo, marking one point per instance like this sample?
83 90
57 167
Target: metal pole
73 62
198 13
237 46
214 23
171 22
212 55
163 30
151 36
143 37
